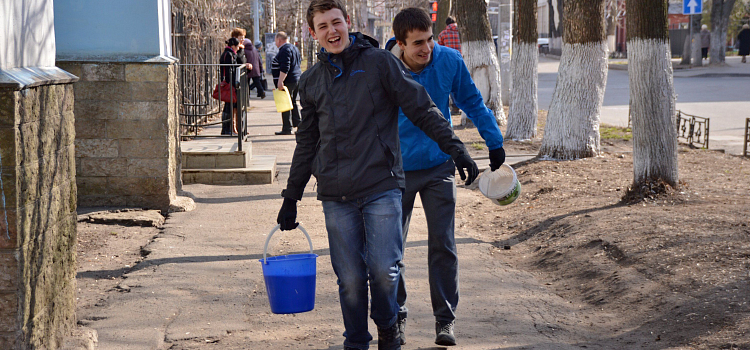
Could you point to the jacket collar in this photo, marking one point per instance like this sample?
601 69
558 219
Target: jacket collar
359 42
436 52
452 27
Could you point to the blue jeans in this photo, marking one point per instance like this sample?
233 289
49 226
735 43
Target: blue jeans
365 240
437 189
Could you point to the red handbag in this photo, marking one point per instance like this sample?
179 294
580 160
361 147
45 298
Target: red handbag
226 91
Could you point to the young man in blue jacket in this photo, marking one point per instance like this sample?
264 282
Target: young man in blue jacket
348 139
429 171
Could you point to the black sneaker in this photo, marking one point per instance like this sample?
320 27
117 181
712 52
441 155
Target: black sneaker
282 132
402 329
445 335
388 338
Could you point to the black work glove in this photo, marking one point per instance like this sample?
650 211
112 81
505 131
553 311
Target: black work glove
463 161
288 215
497 158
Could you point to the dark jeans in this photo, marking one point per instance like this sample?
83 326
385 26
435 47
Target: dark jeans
291 118
364 236
437 189
704 52
258 84
226 118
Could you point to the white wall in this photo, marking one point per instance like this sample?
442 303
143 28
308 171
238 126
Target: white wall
27 34
115 29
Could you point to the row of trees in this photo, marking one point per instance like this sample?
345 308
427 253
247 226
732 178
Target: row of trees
572 128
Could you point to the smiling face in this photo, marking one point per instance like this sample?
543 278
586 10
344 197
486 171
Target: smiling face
331 30
417 50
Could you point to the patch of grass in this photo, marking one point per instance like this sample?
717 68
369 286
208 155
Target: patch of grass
608 132
477 146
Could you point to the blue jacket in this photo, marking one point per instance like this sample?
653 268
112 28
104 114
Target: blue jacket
445 75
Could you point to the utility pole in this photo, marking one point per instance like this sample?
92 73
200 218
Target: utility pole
256 21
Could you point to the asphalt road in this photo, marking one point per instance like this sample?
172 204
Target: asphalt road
721 94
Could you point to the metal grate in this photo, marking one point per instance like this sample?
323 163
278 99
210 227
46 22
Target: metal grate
747 137
693 129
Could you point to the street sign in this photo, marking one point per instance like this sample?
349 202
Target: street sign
692 7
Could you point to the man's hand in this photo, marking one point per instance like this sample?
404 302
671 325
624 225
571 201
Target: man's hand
288 215
463 161
280 86
248 66
497 158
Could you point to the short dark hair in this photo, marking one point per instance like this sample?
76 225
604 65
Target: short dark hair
323 6
450 20
409 19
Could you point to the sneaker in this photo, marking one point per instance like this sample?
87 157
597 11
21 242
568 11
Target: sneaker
402 329
388 338
283 132
445 335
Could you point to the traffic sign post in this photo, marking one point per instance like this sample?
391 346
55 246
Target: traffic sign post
692 7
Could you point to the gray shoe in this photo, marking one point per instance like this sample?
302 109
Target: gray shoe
402 329
445 335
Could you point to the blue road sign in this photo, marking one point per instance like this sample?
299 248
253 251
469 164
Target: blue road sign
692 7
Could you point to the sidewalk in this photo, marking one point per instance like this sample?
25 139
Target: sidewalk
732 68
201 285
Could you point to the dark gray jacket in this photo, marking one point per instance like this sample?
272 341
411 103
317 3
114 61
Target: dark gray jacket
348 137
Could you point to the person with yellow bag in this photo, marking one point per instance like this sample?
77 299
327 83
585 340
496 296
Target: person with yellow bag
286 72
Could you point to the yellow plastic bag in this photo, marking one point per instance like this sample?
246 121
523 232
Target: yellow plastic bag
283 100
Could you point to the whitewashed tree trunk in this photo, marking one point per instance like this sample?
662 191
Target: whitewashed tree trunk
695 42
652 106
480 54
572 129
522 116
652 96
720 11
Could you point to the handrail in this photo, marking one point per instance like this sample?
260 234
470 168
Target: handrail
196 84
693 129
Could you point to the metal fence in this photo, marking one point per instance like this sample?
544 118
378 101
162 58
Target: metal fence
198 107
747 137
693 129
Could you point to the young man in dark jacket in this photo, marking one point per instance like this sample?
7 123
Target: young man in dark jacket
348 139
288 60
429 171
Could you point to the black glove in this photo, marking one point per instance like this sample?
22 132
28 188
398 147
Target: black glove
288 215
463 161
497 158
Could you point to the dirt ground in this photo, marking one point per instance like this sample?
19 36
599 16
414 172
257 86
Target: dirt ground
667 273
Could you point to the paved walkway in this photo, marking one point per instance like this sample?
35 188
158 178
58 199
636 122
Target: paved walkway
201 286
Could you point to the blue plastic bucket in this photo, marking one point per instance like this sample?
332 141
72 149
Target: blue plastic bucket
290 279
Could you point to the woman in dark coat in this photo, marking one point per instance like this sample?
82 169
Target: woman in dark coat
229 56
744 39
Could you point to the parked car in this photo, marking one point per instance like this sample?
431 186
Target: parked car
543 45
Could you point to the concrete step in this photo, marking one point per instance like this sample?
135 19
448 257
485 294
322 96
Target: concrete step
215 153
259 170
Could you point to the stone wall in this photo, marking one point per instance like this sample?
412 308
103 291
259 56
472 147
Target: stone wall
127 145
37 216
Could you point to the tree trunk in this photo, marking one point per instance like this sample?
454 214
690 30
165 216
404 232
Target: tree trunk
686 48
444 10
479 53
695 46
720 11
611 20
652 96
572 129
522 116
271 8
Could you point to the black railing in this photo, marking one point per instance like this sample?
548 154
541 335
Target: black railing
747 137
197 106
693 129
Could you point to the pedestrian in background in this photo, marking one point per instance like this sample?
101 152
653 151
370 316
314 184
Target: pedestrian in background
449 36
744 42
288 60
253 57
429 171
228 60
705 41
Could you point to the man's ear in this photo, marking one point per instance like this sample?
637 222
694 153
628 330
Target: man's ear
312 33
401 45
348 23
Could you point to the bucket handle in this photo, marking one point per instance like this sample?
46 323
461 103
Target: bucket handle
265 246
